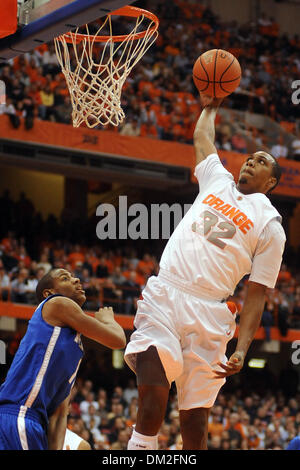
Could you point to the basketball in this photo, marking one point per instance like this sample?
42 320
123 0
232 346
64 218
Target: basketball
217 73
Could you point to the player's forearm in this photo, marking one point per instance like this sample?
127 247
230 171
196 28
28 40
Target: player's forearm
206 124
114 336
250 316
250 319
56 432
57 425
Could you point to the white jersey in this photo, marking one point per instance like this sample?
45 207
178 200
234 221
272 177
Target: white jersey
72 440
225 235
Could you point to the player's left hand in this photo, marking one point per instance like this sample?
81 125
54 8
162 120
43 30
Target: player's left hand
232 366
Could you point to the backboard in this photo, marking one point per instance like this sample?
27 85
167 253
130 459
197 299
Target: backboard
39 21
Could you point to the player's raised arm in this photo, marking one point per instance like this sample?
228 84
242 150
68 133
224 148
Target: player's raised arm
204 134
103 328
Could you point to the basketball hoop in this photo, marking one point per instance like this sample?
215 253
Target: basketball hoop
96 66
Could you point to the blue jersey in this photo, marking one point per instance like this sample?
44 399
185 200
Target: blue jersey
294 444
44 368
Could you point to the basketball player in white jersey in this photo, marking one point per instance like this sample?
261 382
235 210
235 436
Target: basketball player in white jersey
183 322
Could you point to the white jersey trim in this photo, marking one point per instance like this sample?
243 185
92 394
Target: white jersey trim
22 427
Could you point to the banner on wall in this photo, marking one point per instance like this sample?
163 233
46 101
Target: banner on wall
114 144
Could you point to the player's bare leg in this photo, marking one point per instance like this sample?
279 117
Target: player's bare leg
153 388
194 425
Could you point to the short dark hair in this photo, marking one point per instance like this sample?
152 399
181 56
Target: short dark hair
276 172
46 282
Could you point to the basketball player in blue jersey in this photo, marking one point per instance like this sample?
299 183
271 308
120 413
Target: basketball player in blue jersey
34 398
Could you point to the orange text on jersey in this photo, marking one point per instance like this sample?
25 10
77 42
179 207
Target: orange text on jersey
238 217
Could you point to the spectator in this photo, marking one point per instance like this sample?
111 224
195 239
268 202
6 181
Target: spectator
23 256
295 317
215 443
102 269
112 296
19 287
260 428
4 283
49 61
62 112
91 418
225 143
131 128
44 263
130 391
131 293
239 143
28 110
122 440
295 147
85 405
233 428
46 108
283 319
10 110
267 320
215 427
32 283
117 276
76 255
279 150
253 441
117 424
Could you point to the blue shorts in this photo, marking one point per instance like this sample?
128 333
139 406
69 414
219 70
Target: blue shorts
21 429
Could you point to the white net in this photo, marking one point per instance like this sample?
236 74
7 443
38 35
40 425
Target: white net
96 67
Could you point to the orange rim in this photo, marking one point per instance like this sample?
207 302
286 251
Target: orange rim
133 12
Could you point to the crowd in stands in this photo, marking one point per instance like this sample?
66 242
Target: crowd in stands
109 278
159 98
236 422
111 275
255 410
103 407
156 106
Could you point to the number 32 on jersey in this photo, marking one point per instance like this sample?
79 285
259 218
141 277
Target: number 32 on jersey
214 230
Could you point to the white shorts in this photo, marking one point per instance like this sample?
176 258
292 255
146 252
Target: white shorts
190 334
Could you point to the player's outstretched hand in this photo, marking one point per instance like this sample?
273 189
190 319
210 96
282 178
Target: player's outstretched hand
209 101
232 366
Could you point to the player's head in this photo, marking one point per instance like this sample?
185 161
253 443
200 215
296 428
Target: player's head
260 173
60 281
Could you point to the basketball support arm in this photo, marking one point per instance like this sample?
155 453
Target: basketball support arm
55 23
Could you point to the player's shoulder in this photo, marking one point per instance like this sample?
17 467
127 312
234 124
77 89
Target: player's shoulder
211 158
60 301
212 167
